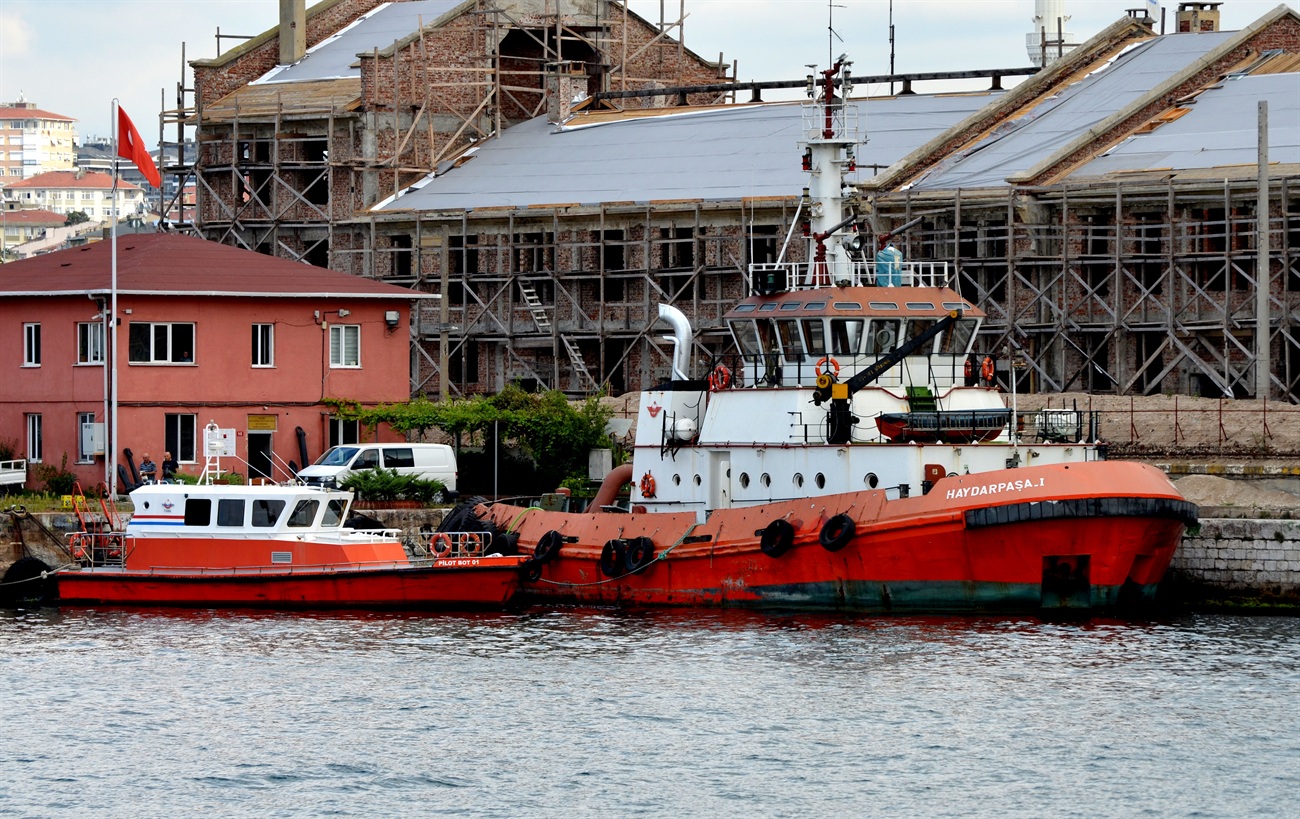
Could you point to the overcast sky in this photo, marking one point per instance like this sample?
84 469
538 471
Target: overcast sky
73 56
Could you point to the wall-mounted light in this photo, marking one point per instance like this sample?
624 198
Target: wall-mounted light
391 318
344 312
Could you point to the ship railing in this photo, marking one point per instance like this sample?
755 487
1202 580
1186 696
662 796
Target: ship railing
843 121
768 278
99 547
440 545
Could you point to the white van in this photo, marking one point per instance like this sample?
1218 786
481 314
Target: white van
428 461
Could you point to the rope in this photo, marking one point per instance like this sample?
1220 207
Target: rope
520 516
41 576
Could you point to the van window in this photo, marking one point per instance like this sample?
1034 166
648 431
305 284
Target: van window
304 513
267 512
230 512
398 456
367 460
337 456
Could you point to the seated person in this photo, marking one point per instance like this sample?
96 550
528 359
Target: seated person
148 470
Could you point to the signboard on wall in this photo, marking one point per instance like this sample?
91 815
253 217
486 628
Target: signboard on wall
219 443
262 423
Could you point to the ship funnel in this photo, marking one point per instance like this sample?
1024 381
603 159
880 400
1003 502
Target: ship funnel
681 339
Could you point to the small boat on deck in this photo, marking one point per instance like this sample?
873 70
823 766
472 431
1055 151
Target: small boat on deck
273 546
947 426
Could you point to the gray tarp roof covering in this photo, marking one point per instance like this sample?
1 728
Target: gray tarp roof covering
725 153
1023 143
333 57
1221 129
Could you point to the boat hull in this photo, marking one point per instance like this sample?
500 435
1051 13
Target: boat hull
1084 536
455 583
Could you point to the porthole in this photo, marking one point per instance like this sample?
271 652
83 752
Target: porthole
820 480
765 479
872 480
146 504
677 479
798 479
744 480
697 480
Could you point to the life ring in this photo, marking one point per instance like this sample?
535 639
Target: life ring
986 370
612 557
969 370
837 533
720 378
640 553
548 547
471 544
778 537
647 485
440 546
831 364
76 546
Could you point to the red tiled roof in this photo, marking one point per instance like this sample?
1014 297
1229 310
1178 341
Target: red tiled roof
171 264
32 217
65 180
7 112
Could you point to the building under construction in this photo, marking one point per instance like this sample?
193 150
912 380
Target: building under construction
1104 212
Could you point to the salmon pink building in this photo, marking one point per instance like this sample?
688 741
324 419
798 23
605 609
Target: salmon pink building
207 333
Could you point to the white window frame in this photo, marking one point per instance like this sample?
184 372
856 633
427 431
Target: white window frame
263 345
178 452
35 438
32 344
172 355
339 337
84 457
90 342
344 432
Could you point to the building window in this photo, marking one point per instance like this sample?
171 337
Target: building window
344 432
345 345
31 345
35 438
179 436
263 345
90 343
86 438
161 343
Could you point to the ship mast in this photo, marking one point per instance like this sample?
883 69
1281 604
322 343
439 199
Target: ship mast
830 143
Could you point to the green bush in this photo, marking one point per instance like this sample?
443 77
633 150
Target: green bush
381 484
58 480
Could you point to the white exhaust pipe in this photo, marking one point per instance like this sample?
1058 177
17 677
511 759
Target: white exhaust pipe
681 339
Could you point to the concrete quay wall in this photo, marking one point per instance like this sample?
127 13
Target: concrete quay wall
1242 557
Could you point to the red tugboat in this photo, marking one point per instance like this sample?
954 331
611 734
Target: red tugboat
274 546
859 459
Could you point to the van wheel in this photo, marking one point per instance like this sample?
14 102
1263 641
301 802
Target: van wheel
439 497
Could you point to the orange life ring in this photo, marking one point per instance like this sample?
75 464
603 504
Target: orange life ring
831 364
986 370
76 546
647 485
720 378
969 370
440 546
471 544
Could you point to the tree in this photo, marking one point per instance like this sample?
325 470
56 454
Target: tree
76 217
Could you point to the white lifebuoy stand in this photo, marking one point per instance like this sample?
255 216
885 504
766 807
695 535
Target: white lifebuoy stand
218 443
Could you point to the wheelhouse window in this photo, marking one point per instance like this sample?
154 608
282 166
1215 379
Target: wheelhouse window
345 345
334 513
791 341
179 436
31 345
883 336
846 336
263 345
814 332
230 512
160 343
304 514
90 342
198 512
267 512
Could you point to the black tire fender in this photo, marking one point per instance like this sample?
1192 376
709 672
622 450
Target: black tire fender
640 553
613 557
548 547
837 533
777 538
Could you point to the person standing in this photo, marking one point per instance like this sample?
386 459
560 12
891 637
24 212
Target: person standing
169 466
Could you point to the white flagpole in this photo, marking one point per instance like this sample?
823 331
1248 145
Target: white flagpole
112 463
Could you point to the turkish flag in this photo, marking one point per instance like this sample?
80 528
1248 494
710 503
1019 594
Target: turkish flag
131 146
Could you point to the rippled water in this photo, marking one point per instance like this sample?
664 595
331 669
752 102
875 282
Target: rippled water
584 712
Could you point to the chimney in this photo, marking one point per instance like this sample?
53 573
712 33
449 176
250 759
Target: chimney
565 82
293 31
1194 18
